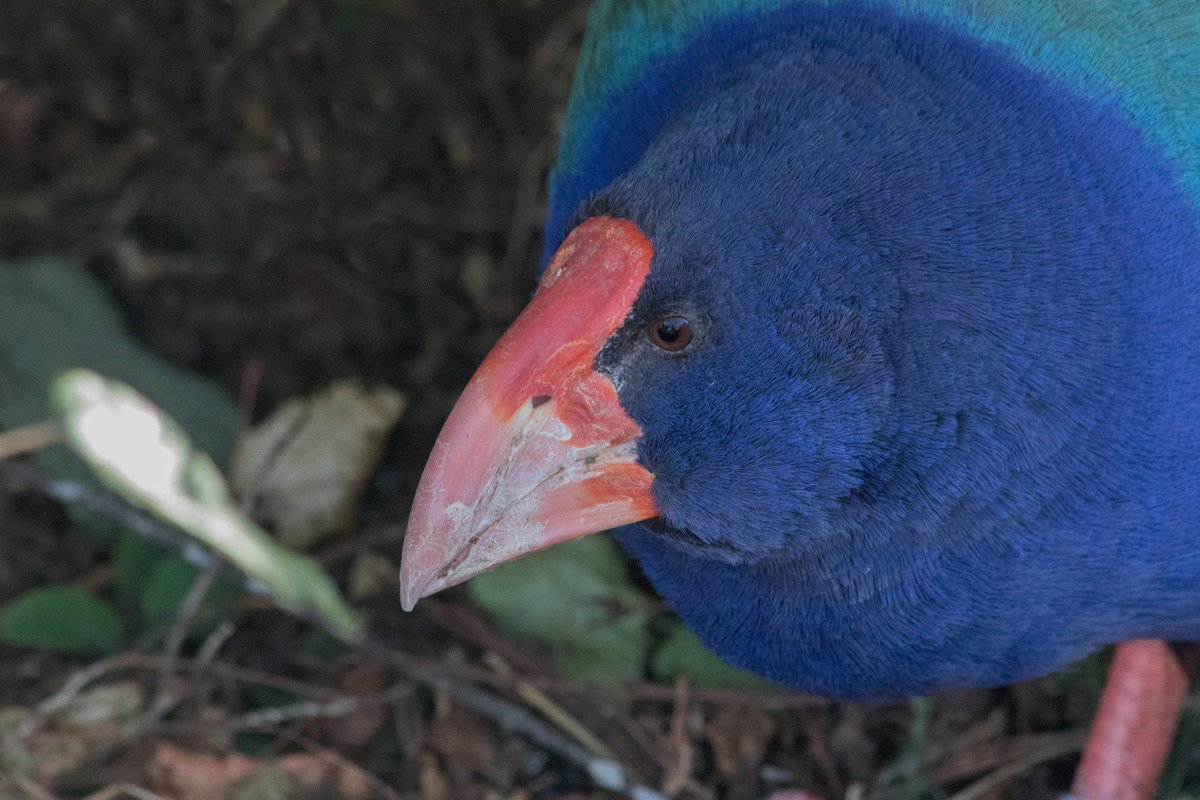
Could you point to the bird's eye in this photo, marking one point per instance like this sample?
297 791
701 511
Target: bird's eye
671 333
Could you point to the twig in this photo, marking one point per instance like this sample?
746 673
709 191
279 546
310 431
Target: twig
29 438
562 718
506 715
35 791
338 760
1061 745
819 749
144 661
681 742
69 691
212 645
118 789
645 692
551 710
278 715
607 773
112 507
164 697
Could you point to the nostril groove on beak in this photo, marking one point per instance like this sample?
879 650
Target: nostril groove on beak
539 399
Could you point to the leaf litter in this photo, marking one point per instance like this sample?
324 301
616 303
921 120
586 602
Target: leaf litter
302 469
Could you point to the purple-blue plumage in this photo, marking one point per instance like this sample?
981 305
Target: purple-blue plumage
938 426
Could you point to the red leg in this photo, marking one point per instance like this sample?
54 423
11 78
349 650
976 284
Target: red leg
1131 735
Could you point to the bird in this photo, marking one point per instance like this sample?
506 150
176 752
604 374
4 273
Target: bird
873 330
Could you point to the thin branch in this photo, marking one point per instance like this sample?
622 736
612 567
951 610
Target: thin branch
153 662
112 507
118 789
278 715
562 718
642 692
338 760
819 749
29 439
69 691
34 791
164 696
1059 746
680 773
212 645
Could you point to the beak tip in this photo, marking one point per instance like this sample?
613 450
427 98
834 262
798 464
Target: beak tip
413 588
410 593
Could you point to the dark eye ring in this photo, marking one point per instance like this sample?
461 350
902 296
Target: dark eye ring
672 333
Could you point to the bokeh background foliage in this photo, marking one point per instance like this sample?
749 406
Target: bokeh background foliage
279 235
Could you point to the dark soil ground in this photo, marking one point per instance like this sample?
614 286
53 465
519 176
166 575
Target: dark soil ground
281 193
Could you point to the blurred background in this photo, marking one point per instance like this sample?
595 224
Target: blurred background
297 226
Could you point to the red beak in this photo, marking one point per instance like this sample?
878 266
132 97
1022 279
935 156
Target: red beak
538 449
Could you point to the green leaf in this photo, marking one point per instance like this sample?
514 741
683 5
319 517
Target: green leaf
157 581
64 619
134 560
54 316
168 586
682 653
577 596
611 653
560 593
145 456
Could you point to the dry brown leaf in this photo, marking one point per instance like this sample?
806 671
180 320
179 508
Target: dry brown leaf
434 783
99 705
301 470
86 728
463 740
739 737
360 726
313 773
42 755
186 775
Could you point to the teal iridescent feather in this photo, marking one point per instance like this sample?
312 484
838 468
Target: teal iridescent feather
1144 55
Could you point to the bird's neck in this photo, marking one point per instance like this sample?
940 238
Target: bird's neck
857 624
